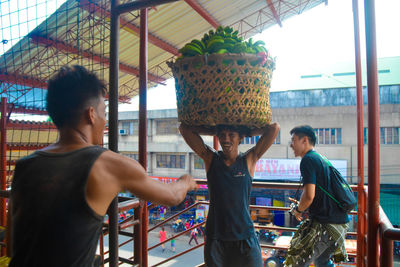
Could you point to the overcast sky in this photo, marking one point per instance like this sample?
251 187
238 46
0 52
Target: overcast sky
308 43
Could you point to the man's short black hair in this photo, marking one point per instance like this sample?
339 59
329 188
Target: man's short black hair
70 91
241 130
305 130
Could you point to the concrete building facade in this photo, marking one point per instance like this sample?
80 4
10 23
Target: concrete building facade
326 100
331 112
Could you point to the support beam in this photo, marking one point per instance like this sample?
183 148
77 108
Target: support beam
373 135
125 25
29 147
259 20
361 226
23 110
98 58
3 164
143 123
202 12
141 4
113 127
29 125
13 78
273 10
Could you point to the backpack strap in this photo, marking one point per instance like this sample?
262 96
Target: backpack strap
320 187
326 192
323 157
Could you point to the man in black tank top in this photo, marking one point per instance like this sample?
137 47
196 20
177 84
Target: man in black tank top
60 194
230 236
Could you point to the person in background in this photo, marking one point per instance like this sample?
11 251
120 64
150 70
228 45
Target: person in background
162 211
323 236
230 235
163 237
193 235
60 194
187 224
172 244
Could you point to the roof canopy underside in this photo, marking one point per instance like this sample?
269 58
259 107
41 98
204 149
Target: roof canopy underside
78 33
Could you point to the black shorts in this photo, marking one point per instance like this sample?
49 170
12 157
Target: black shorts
238 253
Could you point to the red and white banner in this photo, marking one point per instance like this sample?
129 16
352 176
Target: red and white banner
274 169
287 169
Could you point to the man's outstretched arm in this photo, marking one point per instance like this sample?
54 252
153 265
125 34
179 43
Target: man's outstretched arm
113 172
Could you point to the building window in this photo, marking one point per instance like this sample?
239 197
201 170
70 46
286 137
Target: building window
167 127
125 128
134 156
252 140
344 74
311 76
388 135
130 127
277 140
326 136
198 163
174 161
365 135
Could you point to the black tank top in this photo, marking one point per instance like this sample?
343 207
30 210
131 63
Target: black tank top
53 224
229 189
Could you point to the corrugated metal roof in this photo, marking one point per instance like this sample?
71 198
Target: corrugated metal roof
78 33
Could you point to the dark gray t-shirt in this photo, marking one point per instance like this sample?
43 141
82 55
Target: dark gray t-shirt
229 189
314 170
53 224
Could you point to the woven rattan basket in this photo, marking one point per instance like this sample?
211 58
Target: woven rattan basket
228 89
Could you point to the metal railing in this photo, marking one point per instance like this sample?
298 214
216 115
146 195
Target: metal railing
289 186
387 233
130 221
180 234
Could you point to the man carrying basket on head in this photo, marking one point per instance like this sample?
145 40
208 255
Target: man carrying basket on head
230 236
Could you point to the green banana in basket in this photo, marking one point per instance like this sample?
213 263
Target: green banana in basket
200 44
222 40
215 45
230 40
222 51
190 50
258 43
196 45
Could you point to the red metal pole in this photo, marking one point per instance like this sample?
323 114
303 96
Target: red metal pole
386 240
386 247
137 237
143 122
3 202
373 135
101 246
360 143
